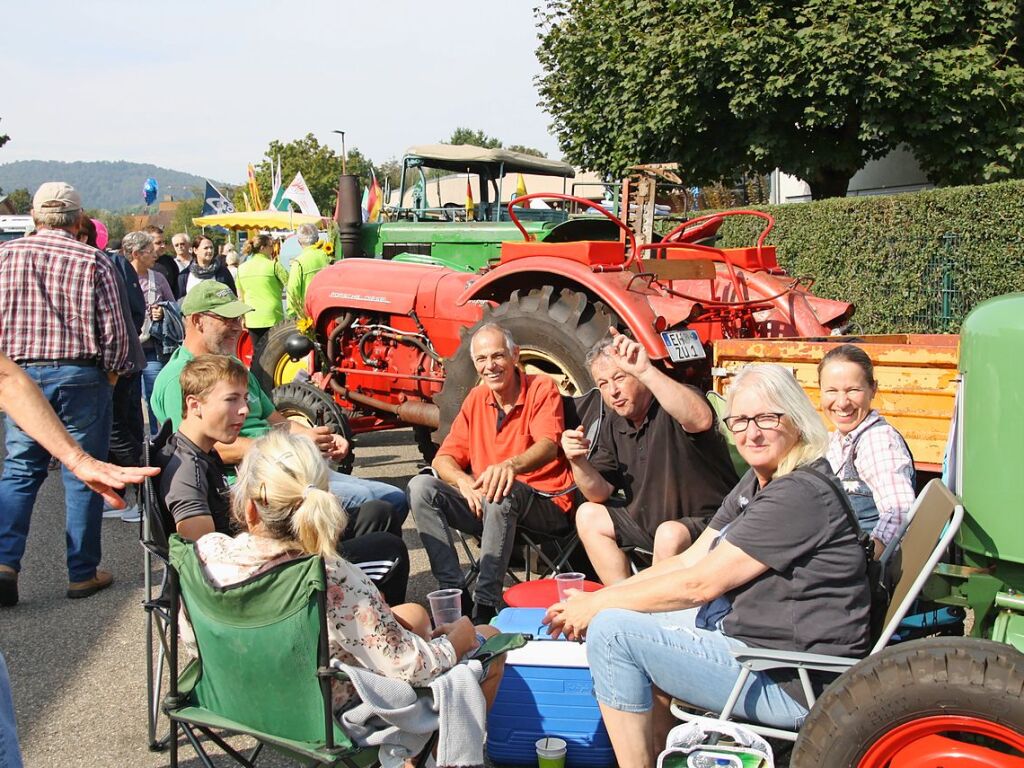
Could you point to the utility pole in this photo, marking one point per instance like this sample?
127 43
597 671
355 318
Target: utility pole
342 133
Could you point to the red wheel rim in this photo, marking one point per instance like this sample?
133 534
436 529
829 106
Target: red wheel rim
244 349
921 742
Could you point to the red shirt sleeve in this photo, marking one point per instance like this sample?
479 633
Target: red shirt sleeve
547 420
456 444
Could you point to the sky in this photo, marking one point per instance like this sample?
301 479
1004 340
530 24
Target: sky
204 87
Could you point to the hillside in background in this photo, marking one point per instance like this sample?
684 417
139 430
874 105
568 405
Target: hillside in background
114 186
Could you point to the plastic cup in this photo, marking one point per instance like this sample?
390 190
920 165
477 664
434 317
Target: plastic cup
445 606
551 752
566 581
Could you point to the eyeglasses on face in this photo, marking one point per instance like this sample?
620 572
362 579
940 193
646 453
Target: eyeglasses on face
763 421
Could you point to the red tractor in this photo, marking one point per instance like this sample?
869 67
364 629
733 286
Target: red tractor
390 337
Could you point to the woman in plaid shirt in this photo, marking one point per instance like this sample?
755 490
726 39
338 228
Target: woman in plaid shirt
869 456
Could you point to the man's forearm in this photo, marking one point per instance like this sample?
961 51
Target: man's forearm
589 481
534 457
449 470
233 453
681 402
24 401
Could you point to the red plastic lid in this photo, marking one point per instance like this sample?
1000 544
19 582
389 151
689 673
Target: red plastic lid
539 593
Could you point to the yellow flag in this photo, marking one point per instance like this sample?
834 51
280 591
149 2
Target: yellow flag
470 208
521 189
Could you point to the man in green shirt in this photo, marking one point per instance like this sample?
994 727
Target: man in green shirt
303 268
213 322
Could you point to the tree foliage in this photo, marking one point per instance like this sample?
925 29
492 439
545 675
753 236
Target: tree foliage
477 138
320 167
21 200
814 87
4 138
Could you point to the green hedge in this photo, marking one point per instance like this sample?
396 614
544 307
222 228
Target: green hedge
914 262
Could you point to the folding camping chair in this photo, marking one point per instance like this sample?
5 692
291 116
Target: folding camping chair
552 553
932 523
153 537
263 667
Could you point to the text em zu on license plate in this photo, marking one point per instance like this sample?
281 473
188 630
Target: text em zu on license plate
683 345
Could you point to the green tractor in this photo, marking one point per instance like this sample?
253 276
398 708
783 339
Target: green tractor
954 701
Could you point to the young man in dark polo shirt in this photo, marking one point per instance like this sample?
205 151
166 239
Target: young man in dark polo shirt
660 446
193 486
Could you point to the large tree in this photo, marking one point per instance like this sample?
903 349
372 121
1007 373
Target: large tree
814 87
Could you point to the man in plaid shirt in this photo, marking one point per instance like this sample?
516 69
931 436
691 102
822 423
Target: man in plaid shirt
60 320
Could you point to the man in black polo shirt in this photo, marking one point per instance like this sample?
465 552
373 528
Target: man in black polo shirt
660 447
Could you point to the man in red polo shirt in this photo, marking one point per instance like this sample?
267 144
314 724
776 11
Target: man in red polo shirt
502 447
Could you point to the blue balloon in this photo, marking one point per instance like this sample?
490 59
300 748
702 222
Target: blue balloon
150 190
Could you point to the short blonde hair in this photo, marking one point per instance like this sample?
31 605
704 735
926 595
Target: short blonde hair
201 374
779 387
285 477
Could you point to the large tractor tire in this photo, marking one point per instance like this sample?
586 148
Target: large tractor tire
270 363
954 702
554 329
313 407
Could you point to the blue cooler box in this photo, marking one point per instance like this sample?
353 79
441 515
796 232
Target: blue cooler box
546 691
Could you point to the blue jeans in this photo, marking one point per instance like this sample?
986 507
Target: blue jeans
149 374
10 755
353 492
81 398
630 651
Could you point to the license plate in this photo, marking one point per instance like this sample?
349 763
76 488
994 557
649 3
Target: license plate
683 345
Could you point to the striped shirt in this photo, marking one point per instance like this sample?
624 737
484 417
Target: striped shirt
880 460
59 300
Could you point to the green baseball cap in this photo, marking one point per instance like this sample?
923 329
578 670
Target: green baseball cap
212 296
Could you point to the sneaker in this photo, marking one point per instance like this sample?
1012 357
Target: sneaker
89 587
109 513
131 514
8 586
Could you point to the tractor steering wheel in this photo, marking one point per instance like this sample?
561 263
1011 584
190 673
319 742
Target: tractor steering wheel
582 201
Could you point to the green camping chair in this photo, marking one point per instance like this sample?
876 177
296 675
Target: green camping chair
263 663
263 668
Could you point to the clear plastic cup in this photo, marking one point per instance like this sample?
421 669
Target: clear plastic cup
551 752
445 606
566 581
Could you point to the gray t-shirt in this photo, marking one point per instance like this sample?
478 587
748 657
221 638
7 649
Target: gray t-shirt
814 596
192 484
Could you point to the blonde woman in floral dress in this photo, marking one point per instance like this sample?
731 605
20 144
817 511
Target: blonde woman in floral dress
283 501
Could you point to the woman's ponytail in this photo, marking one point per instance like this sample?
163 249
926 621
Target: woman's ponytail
285 478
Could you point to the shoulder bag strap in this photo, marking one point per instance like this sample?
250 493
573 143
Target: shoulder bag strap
844 502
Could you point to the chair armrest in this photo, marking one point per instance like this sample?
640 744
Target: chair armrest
761 659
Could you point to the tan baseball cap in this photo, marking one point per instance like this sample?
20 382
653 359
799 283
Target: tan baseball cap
56 197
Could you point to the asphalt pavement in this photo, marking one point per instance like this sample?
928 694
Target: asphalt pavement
78 666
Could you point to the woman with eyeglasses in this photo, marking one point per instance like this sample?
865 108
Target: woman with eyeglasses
870 457
778 567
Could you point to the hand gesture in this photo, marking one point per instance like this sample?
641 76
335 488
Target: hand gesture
474 498
629 355
575 444
496 481
332 446
103 478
